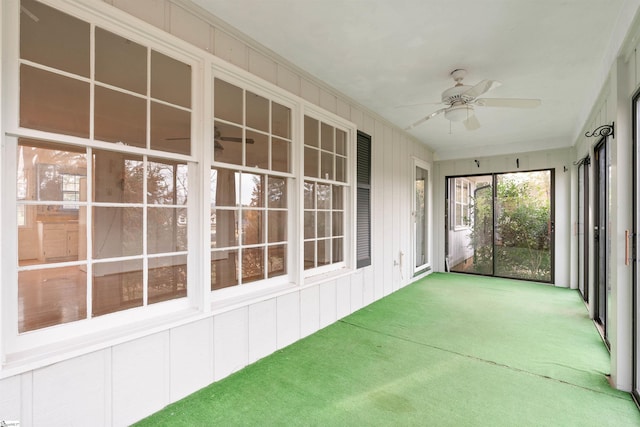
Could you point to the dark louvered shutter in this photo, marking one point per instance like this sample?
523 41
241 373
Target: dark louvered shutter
363 200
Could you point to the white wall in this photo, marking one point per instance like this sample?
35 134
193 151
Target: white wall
127 377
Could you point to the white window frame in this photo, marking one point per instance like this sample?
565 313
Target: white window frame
18 347
418 163
349 186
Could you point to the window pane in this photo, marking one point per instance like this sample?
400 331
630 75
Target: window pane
277 193
338 197
252 227
120 118
170 80
324 224
224 228
117 232
277 260
55 236
166 182
326 171
118 177
53 103
167 278
227 102
311 161
252 264
170 129
309 254
224 269
324 252
280 154
341 142
338 250
252 190
257 150
310 131
341 172
309 195
280 120
53 38
277 226
327 137
120 62
117 286
227 144
337 224
309 225
50 297
257 112
225 187
166 230
324 196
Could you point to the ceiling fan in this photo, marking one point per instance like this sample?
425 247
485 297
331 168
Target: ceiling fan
217 138
461 100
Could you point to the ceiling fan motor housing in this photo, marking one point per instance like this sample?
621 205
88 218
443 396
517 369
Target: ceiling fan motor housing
456 95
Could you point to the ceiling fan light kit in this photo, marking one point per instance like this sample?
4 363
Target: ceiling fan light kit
460 101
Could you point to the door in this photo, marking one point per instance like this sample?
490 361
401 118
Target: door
421 224
502 225
600 235
582 228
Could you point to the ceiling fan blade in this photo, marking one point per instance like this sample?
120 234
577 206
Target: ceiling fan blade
508 102
235 139
482 88
471 123
424 119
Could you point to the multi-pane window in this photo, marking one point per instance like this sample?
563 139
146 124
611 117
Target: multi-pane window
325 171
462 203
248 187
109 210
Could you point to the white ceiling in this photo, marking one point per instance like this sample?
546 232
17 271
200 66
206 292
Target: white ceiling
389 55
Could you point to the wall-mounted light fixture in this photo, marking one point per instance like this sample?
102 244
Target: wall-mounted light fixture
604 130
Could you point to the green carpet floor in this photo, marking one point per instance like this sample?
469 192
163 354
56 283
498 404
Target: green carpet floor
449 350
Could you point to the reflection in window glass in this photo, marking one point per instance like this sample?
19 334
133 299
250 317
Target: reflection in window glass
324 214
277 260
55 39
280 154
166 182
227 146
53 103
252 227
224 228
252 265
277 226
51 296
118 177
166 230
167 278
227 102
257 112
120 117
280 120
117 232
117 286
224 269
277 193
170 129
252 190
170 80
257 150
120 62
